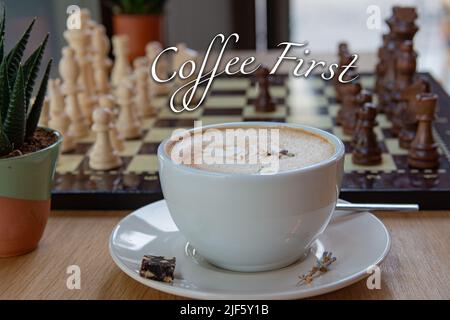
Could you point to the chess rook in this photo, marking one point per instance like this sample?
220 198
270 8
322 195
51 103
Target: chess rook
408 115
423 153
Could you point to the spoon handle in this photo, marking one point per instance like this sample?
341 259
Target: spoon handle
376 207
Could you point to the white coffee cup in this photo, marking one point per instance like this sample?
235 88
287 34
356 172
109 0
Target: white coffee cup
250 222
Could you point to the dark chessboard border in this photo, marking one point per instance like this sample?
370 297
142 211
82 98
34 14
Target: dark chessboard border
428 199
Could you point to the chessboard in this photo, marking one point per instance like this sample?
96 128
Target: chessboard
308 101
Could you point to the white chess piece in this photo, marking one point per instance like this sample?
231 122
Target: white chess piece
68 69
59 120
143 99
153 49
121 68
103 156
79 41
117 140
184 54
101 61
127 124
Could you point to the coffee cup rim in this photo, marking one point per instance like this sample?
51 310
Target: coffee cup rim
331 138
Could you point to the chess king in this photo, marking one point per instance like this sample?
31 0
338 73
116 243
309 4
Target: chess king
187 70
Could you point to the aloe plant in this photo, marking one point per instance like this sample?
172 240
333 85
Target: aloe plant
138 6
18 118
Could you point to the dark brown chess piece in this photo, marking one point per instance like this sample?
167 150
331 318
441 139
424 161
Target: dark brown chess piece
365 96
344 58
405 69
408 116
381 67
366 150
263 101
423 152
354 99
350 89
402 27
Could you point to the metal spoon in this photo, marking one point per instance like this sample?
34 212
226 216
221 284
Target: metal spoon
376 207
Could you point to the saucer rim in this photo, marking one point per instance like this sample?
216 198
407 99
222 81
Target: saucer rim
284 295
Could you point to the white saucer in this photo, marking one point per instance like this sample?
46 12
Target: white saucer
359 241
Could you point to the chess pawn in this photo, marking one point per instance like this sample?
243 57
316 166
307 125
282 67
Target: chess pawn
366 149
121 68
423 152
69 71
142 101
263 101
117 141
59 120
127 124
103 156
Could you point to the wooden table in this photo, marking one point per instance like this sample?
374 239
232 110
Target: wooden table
418 266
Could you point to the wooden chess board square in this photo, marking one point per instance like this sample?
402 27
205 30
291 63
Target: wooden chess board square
167 113
367 82
339 132
387 165
160 102
131 148
226 102
148 123
329 92
156 135
333 110
227 84
250 112
143 164
383 121
208 120
318 121
394 148
276 92
69 163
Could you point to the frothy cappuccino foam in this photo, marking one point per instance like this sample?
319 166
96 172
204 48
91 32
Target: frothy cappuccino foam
250 150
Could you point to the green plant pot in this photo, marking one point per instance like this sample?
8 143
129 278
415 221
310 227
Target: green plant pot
25 193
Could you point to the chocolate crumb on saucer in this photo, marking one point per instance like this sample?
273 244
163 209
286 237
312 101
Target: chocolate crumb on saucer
158 268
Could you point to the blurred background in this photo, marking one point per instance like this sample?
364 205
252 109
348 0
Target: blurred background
262 24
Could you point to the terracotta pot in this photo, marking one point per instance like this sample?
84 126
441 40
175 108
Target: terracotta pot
141 29
25 191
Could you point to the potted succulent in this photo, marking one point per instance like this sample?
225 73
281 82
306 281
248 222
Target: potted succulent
141 20
27 153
